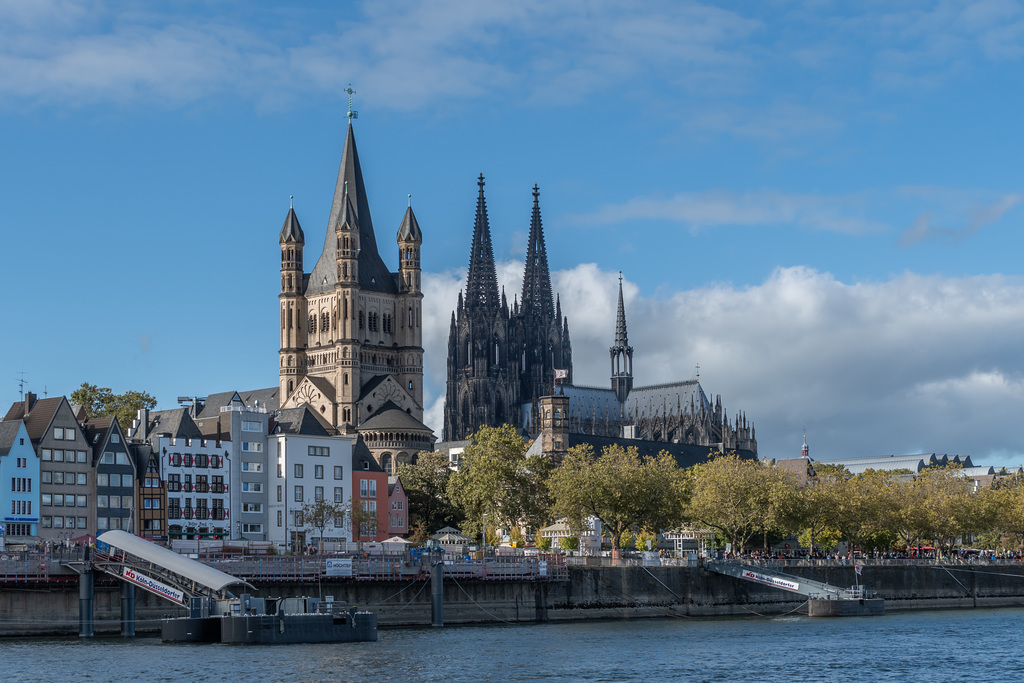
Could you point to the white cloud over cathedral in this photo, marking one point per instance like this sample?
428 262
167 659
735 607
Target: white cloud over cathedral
910 364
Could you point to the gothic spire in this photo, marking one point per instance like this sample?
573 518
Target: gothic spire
537 280
482 283
621 338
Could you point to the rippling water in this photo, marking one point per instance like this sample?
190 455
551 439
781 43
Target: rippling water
919 646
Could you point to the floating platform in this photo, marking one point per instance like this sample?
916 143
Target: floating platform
846 607
245 621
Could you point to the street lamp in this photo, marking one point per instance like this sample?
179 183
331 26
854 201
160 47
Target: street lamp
483 537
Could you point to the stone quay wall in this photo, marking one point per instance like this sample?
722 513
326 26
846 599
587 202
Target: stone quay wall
617 592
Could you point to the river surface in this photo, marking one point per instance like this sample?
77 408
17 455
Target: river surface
908 646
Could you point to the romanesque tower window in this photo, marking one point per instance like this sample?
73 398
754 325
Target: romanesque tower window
312 323
325 322
361 320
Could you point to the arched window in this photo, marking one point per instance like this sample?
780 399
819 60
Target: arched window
312 323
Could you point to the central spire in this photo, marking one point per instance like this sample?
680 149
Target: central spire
537 279
621 337
482 282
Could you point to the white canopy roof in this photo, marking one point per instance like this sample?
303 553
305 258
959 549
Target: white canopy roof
214 579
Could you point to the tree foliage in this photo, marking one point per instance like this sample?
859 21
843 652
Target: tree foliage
622 490
496 478
426 484
102 402
321 513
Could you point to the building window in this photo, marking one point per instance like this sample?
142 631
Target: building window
280 492
252 528
250 426
280 517
318 493
252 507
298 470
318 471
252 446
252 466
339 494
338 472
298 494
320 450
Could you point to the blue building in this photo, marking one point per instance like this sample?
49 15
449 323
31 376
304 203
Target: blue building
19 482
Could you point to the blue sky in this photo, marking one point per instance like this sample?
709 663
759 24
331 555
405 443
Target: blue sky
817 202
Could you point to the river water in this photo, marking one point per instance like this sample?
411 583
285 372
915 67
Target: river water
918 646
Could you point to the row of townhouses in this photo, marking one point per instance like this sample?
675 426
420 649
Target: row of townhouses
220 468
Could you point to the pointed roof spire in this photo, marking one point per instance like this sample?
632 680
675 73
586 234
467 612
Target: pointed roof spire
537 280
291 231
409 229
373 274
621 338
482 282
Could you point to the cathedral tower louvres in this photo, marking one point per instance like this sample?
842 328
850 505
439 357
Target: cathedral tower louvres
351 330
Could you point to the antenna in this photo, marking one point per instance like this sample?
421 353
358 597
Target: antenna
352 114
21 385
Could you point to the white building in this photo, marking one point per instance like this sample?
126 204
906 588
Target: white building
308 464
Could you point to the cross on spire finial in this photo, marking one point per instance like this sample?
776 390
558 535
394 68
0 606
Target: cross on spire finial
291 201
536 191
620 278
480 181
352 114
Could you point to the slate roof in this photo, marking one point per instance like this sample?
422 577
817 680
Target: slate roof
362 459
686 455
268 399
409 229
374 276
176 422
95 433
39 418
370 385
299 420
8 433
390 416
392 482
887 463
291 231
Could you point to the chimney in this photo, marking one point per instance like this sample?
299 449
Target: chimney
30 400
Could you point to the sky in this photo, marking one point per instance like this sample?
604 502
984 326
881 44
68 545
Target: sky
818 203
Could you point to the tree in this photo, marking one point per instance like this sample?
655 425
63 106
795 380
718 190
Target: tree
320 513
819 502
625 492
426 484
543 543
496 478
728 496
102 402
569 543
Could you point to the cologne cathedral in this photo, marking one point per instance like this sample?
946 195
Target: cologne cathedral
503 360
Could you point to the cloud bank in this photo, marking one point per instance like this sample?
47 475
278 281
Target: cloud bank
911 364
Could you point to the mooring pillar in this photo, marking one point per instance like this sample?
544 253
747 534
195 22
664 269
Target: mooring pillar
127 609
437 594
85 601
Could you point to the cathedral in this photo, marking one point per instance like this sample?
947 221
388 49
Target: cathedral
501 358
503 361
351 330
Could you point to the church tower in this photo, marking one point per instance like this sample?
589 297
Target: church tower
351 330
622 354
293 304
483 387
541 332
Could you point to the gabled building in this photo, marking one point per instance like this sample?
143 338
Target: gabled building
398 506
150 494
67 483
19 482
369 495
115 477
196 473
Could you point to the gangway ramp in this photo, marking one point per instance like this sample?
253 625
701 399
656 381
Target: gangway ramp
782 581
161 571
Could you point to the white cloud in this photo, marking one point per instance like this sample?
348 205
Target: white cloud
836 213
910 364
978 216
